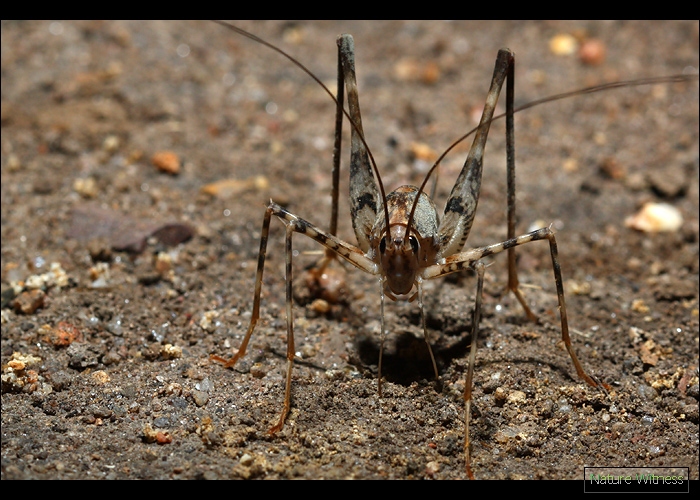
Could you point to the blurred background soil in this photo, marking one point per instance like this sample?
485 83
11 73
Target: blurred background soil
137 159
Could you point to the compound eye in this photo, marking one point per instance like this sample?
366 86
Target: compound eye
382 245
413 241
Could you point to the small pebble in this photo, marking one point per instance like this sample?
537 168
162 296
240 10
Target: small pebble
28 302
500 396
517 397
200 398
166 161
111 143
86 187
228 188
656 218
563 44
592 52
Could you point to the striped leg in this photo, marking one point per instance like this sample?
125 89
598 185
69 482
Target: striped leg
479 267
293 224
465 259
471 258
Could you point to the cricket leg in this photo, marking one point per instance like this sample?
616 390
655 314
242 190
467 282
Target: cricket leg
290 330
293 224
468 384
419 285
513 283
464 260
265 233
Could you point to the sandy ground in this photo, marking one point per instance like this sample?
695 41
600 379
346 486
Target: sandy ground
110 311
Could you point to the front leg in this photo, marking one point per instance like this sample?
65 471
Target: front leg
466 259
472 259
332 243
295 224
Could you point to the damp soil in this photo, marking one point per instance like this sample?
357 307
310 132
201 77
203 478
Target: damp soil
127 260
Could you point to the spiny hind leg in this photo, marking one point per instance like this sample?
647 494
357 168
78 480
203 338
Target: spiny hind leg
513 282
325 280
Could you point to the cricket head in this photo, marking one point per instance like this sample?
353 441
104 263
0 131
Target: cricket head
400 259
405 247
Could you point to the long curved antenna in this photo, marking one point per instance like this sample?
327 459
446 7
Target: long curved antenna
537 102
259 40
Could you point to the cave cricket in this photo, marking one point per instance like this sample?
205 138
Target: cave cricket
401 240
